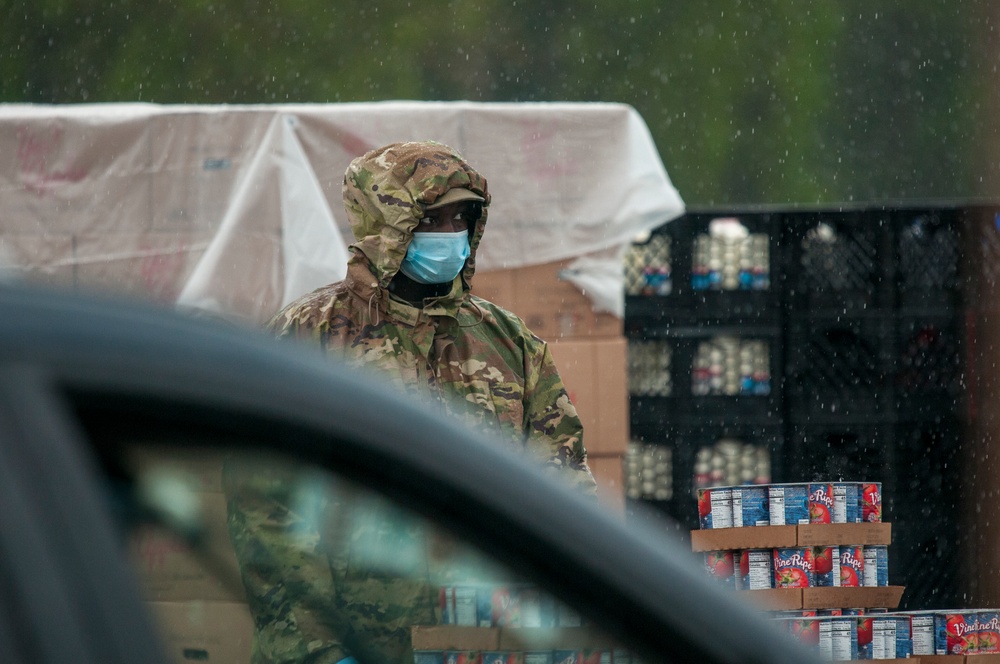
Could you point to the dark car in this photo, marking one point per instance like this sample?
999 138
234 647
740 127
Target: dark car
104 405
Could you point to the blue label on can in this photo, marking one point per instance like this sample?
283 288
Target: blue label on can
500 657
750 506
538 657
788 504
715 507
876 565
428 657
754 569
564 656
838 638
846 501
891 637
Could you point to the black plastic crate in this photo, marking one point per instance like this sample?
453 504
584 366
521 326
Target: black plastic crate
840 368
983 225
930 378
709 266
847 451
928 250
715 453
924 507
685 374
839 262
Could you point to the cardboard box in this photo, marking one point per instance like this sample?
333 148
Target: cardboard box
200 631
780 599
607 471
818 534
169 570
733 539
456 637
595 374
773 537
552 307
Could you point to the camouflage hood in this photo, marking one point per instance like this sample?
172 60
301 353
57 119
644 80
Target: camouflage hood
386 192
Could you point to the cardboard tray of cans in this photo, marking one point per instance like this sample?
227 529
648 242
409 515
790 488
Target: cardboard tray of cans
460 637
784 599
775 537
955 659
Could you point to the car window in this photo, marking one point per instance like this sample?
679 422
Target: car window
328 568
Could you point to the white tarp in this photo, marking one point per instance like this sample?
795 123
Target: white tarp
237 209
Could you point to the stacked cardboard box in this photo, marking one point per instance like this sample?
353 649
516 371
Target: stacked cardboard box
197 600
590 351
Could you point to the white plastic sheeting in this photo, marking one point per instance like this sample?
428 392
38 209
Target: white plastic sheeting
237 209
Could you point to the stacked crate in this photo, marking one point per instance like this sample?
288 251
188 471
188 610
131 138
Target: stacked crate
704 324
861 314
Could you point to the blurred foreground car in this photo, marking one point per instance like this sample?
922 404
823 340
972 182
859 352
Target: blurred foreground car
102 402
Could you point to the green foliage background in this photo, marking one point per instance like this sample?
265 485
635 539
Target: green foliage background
773 101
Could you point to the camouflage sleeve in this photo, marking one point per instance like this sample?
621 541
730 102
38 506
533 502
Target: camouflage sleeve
286 577
316 582
553 427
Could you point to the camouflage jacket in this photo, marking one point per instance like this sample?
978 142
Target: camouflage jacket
482 361
478 361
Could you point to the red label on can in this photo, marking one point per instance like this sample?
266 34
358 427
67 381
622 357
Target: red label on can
852 566
720 565
820 503
793 568
805 630
989 632
871 501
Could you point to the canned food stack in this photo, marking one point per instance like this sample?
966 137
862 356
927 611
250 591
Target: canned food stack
730 461
842 565
648 471
728 257
509 623
647 267
730 366
649 368
872 634
838 632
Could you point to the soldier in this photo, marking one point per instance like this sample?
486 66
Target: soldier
418 212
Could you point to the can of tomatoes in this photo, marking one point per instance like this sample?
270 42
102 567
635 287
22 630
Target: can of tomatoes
876 565
820 503
715 507
502 657
804 629
463 657
755 569
826 566
538 657
721 568
838 638
852 565
871 501
864 629
428 657
891 638
956 632
846 502
793 568
788 504
989 633
750 506
921 632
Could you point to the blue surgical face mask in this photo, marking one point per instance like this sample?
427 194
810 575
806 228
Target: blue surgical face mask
436 258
